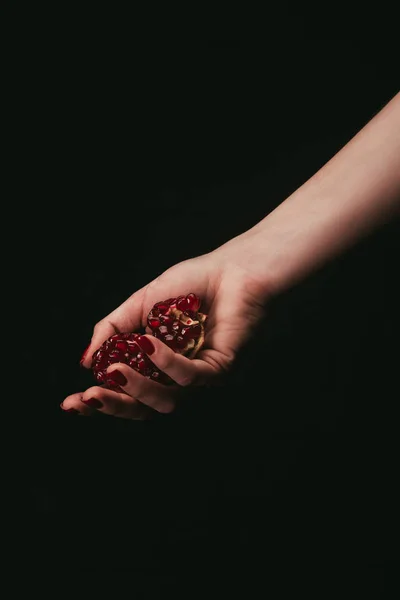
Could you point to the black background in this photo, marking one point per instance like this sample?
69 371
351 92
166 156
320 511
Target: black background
288 473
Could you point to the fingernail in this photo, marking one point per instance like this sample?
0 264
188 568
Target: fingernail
93 403
117 378
145 344
84 355
71 411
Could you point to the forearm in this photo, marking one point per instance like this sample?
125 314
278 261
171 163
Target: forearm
357 190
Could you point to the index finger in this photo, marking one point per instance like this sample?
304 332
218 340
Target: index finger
131 315
124 319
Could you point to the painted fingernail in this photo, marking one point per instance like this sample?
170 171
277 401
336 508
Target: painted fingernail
71 411
116 378
145 344
93 403
84 355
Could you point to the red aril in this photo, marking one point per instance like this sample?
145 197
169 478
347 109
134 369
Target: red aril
175 321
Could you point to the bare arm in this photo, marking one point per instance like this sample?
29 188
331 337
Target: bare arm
357 190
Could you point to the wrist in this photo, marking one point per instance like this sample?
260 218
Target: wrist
247 256
358 189
288 243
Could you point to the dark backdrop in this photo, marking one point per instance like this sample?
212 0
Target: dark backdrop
291 467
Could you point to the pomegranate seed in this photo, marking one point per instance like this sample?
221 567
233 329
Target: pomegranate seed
153 323
122 346
141 364
166 319
181 303
193 302
183 334
162 307
192 332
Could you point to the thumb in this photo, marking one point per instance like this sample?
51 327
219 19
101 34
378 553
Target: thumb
131 315
124 319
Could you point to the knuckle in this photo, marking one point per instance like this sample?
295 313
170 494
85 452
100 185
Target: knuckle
136 389
165 360
187 380
98 326
94 392
166 408
121 367
137 383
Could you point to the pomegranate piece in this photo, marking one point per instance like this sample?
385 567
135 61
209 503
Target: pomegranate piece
122 348
175 321
178 324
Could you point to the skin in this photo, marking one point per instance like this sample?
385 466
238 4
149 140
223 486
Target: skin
355 192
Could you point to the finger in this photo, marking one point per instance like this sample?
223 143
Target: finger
131 315
155 395
126 318
114 403
73 405
182 370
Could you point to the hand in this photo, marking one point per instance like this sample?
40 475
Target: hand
358 189
233 299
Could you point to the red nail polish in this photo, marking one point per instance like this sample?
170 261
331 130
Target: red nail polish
93 403
116 377
145 344
71 411
84 355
